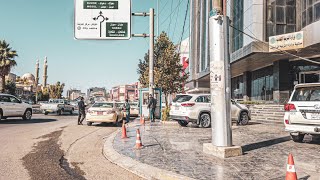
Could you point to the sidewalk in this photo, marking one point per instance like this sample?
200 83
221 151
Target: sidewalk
178 150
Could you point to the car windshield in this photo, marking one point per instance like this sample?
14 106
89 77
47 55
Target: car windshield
103 105
55 101
133 104
306 94
183 98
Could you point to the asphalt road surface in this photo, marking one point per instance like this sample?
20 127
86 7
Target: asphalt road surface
55 147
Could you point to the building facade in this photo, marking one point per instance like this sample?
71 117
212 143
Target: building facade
97 94
259 71
123 92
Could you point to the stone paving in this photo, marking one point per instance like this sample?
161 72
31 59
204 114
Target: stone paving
179 149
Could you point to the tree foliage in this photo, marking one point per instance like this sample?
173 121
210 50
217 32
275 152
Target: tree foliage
168 70
56 90
10 88
7 61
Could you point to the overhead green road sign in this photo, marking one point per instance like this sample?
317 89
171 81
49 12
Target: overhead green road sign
100 4
117 29
101 19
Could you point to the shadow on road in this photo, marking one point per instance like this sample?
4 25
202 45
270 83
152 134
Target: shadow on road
262 144
21 121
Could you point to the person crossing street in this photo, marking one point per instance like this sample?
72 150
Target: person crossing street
82 111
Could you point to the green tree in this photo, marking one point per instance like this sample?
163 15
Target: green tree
55 91
7 61
43 95
168 72
10 88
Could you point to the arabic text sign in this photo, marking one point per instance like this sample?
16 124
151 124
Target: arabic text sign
286 41
100 4
100 19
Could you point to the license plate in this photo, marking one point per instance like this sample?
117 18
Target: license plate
99 113
315 116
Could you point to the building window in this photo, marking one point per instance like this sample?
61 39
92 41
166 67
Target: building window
237 87
237 20
262 84
281 17
310 12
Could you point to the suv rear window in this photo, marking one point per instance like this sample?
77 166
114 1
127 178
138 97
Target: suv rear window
306 94
183 99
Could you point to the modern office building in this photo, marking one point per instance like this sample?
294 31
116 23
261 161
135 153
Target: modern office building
274 44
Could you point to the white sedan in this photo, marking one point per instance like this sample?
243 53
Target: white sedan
104 112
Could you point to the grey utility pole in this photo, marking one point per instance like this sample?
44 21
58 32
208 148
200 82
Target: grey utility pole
151 56
151 48
220 85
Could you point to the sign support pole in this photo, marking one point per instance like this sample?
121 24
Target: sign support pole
151 46
220 87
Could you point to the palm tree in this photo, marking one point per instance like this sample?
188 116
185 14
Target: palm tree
7 61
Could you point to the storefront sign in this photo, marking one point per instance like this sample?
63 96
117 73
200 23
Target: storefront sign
286 41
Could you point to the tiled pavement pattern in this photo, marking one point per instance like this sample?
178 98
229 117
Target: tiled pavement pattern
265 147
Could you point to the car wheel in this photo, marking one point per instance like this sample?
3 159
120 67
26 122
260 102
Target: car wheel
27 115
183 123
244 118
297 138
205 120
89 123
1 116
46 113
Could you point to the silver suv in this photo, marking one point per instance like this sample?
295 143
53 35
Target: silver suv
10 106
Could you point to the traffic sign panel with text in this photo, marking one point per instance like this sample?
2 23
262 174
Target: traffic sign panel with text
100 19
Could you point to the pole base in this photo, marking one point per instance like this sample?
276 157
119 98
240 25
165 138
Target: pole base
222 152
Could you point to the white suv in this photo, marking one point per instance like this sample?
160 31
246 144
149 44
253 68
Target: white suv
10 106
196 108
302 112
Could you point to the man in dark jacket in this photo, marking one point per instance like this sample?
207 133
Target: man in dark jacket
82 111
152 106
127 108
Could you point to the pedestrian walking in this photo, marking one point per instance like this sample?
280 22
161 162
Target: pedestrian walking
127 108
82 111
152 107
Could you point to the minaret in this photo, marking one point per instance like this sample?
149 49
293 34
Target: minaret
45 72
37 73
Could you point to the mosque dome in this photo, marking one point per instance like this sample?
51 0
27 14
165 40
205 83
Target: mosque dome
29 77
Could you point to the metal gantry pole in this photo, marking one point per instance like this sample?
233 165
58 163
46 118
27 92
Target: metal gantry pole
151 55
220 78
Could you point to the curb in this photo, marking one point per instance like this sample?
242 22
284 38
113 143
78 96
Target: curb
143 170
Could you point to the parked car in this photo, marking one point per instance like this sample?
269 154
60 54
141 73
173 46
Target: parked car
302 112
196 108
58 106
134 109
11 106
104 112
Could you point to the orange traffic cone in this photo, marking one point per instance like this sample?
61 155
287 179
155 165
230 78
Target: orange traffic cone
291 171
142 120
124 131
138 140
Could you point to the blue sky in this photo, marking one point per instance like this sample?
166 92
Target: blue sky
38 28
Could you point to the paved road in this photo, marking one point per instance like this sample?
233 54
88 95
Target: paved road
54 147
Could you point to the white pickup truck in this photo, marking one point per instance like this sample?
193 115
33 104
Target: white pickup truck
58 106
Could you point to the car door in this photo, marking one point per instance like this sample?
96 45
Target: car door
6 105
202 104
17 107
